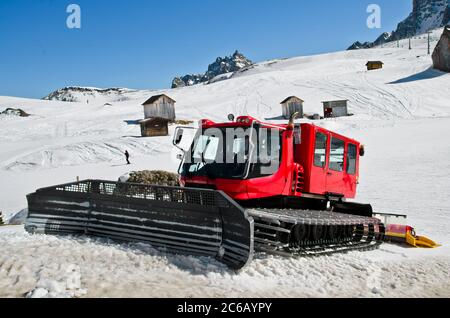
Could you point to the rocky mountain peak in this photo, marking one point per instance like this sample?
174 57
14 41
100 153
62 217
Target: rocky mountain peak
222 65
425 16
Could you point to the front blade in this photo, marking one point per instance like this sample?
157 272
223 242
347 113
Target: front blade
176 220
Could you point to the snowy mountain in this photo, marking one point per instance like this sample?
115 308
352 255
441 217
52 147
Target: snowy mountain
426 15
401 113
385 37
222 65
85 94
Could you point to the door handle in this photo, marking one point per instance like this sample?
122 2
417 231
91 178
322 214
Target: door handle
329 174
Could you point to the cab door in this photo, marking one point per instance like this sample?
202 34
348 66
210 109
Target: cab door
319 164
336 174
342 169
351 169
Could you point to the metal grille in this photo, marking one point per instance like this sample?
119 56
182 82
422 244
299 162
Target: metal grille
142 191
81 187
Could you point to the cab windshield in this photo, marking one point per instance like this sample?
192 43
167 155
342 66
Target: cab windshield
233 153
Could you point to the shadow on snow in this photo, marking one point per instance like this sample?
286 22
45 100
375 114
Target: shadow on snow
425 75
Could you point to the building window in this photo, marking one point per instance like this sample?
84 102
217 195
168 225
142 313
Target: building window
351 159
337 154
320 150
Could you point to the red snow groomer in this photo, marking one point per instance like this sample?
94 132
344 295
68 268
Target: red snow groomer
246 185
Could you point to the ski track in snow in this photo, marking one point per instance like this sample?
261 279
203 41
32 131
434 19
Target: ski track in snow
402 114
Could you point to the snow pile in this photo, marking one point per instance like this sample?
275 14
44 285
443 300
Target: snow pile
69 286
19 218
86 94
44 266
124 178
14 112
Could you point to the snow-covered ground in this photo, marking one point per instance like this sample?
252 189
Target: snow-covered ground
402 115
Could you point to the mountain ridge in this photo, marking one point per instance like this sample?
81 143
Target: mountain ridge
426 15
222 65
82 94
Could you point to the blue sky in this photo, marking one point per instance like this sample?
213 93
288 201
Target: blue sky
145 43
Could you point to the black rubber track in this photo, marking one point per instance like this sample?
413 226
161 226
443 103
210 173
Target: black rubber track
314 233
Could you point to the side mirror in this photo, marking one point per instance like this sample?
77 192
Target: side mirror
362 150
231 117
178 136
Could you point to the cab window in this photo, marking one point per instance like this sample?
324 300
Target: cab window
337 154
320 150
351 159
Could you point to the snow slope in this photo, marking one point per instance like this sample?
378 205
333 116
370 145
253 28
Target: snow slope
402 114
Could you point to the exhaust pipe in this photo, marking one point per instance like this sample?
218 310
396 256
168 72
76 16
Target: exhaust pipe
292 120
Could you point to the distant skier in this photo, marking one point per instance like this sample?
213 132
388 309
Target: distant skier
127 156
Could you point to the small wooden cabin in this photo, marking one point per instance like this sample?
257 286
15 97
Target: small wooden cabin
374 65
292 105
154 127
337 108
160 106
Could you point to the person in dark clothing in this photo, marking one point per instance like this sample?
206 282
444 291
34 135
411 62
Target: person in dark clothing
127 156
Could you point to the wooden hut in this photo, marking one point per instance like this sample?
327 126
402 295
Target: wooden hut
374 65
337 108
160 106
292 105
154 127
